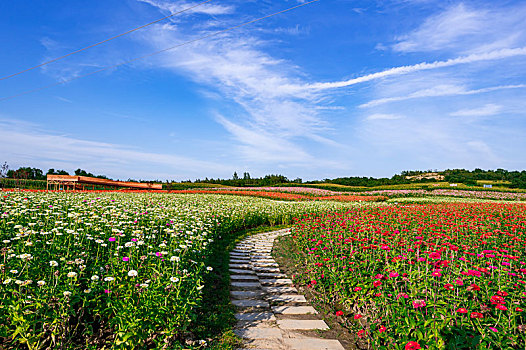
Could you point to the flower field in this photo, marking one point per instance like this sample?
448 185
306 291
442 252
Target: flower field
84 270
421 276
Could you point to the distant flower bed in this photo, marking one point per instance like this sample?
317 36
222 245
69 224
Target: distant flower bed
286 196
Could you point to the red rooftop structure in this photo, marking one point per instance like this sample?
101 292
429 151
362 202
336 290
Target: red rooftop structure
71 182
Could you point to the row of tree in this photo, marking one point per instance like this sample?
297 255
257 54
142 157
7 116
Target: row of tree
248 181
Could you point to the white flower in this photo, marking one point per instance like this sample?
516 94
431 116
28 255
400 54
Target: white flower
26 256
5 241
87 290
175 258
132 273
209 268
108 279
67 293
200 287
19 282
7 281
99 241
72 274
53 263
94 278
13 271
174 279
41 283
144 285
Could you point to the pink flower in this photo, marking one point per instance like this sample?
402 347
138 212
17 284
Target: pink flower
112 239
357 289
107 291
493 329
377 283
393 274
462 311
419 303
436 273
125 259
382 329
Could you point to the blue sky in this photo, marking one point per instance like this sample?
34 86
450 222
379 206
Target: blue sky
334 88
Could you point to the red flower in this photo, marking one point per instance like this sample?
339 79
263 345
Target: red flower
462 310
449 286
476 315
501 307
473 287
377 283
518 309
357 289
497 300
361 333
502 294
382 329
339 313
434 255
357 316
412 345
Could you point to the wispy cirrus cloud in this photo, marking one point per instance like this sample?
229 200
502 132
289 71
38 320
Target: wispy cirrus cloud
486 110
424 66
29 143
461 28
384 116
439 91
238 66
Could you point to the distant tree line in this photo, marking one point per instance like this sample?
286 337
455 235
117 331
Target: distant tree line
516 179
248 181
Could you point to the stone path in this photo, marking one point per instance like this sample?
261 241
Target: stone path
271 312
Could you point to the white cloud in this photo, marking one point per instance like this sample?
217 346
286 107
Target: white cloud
437 91
25 142
463 29
238 67
383 116
479 57
486 110
173 7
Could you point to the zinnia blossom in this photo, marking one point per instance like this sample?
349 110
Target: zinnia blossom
412 345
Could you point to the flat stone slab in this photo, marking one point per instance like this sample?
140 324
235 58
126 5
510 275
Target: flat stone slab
242 251
256 316
265 269
313 343
294 310
240 261
242 272
240 266
263 260
249 303
246 285
302 324
244 277
264 264
270 274
295 298
246 294
279 290
259 333
276 281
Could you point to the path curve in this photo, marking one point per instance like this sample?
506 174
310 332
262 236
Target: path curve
271 312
